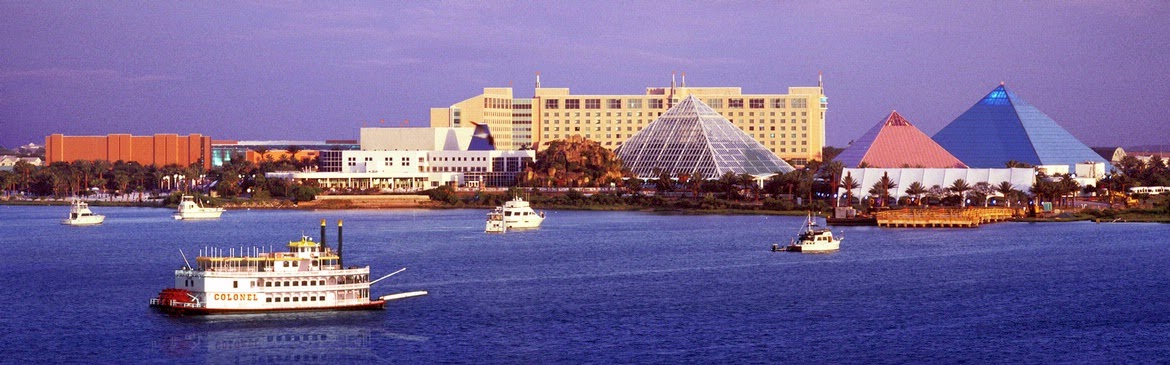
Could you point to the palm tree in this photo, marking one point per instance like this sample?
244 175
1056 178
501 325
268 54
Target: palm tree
1017 164
695 183
292 152
728 182
7 181
885 184
101 168
960 187
24 172
916 190
262 153
634 185
1067 186
665 183
1005 188
849 184
191 174
831 172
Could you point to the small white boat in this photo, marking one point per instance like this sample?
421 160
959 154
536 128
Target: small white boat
514 214
190 209
812 239
80 215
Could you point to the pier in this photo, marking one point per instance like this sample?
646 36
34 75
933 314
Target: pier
944 218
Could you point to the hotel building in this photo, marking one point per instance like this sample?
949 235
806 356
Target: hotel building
791 125
158 150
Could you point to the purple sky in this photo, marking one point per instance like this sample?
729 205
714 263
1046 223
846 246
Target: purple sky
317 70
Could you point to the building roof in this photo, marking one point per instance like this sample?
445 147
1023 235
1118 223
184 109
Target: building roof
1112 154
894 142
692 138
1002 127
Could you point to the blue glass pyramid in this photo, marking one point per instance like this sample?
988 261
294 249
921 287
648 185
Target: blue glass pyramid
1002 127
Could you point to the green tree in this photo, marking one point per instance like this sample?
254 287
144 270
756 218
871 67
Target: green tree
960 187
1006 190
883 186
849 184
916 189
665 182
984 190
24 173
635 185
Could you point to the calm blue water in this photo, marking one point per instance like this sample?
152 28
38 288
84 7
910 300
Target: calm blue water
601 287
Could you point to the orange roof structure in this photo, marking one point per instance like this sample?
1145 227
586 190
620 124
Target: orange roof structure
895 142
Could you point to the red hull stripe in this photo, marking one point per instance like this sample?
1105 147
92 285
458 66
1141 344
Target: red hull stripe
372 305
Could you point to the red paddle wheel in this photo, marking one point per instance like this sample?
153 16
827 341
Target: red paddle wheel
177 300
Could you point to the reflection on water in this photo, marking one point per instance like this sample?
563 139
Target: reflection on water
307 338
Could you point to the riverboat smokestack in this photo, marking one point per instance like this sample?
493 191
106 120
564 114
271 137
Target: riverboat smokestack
339 261
323 233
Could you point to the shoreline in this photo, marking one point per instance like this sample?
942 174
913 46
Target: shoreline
347 204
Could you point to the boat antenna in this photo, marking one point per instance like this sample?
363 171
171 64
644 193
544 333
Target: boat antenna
185 258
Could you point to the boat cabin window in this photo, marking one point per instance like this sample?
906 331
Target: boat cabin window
286 264
269 300
296 263
304 283
296 299
322 297
269 284
295 283
235 283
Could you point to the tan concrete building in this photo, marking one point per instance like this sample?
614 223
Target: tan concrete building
790 125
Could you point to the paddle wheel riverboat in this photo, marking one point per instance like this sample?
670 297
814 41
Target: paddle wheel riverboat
310 276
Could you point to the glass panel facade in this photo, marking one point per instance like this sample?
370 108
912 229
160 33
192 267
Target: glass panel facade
1002 127
692 138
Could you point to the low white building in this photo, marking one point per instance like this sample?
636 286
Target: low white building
412 159
8 163
1021 178
414 170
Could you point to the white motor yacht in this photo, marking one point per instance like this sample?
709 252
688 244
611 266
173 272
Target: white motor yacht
514 214
190 209
812 239
80 215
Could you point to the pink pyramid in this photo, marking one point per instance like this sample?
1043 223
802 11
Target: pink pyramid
896 143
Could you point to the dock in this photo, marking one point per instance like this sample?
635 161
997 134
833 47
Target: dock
944 218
